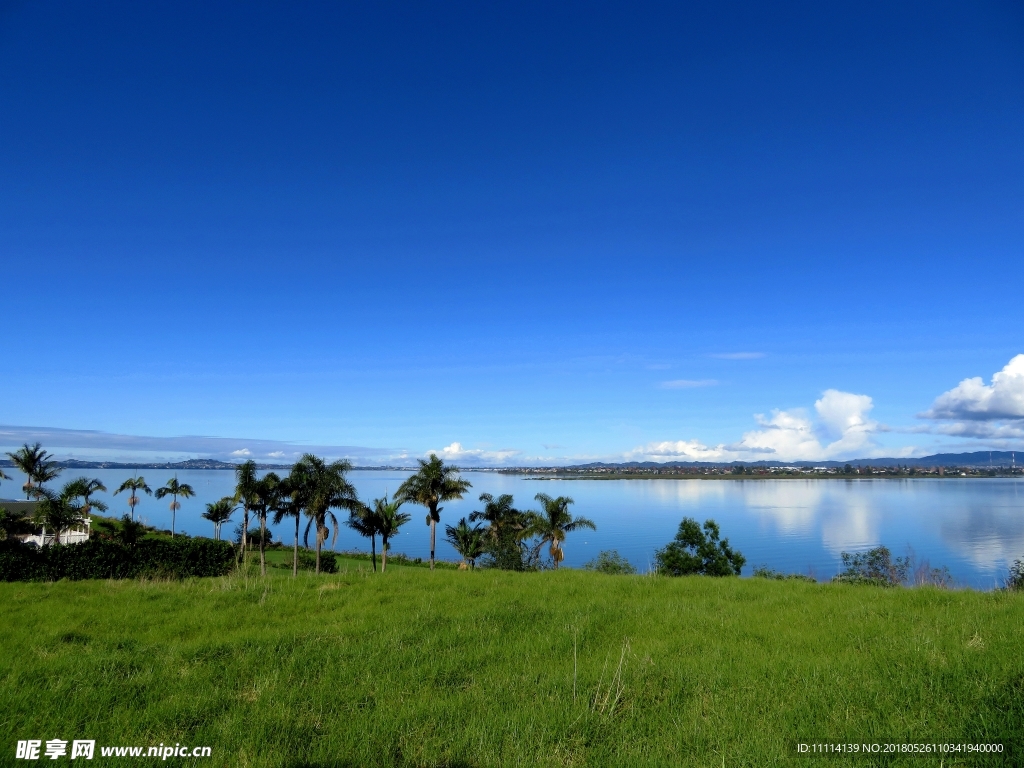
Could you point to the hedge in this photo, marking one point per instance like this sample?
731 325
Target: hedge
103 559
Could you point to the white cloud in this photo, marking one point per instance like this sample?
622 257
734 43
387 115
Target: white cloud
457 453
107 446
688 383
973 400
678 450
842 429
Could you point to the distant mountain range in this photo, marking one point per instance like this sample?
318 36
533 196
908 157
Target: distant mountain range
173 465
189 464
974 459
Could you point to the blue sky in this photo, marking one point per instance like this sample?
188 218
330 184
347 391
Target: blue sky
518 232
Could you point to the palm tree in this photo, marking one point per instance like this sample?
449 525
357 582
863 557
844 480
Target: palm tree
174 489
84 488
289 507
58 511
3 476
268 495
468 542
134 484
319 487
219 512
389 520
36 464
501 517
245 484
432 484
364 521
128 534
555 522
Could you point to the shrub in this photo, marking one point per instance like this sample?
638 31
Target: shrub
875 566
764 572
104 559
610 561
307 561
696 551
1015 580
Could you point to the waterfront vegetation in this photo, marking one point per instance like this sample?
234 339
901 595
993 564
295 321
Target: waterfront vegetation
423 668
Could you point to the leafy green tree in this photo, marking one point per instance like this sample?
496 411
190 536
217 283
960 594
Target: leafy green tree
219 512
13 524
36 464
554 522
126 532
363 520
389 520
58 511
434 483
318 488
133 485
84 488
174 489
1015 579
875 566
245 487
268 496
467 540
696 551
507 528
611 562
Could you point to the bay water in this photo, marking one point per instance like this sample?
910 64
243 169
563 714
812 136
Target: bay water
972 526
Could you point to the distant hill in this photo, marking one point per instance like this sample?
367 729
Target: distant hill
973 459
180 465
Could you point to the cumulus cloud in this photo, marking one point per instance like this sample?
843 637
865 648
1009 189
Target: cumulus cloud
841 429
456 452
241 453
688 383
973 400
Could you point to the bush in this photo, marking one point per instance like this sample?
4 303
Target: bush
611 562
103 559
696 551
510 553
1015 580
307 561
764 572
875 566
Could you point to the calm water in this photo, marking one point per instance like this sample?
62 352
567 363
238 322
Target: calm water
974 527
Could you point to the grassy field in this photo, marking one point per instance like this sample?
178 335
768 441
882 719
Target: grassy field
491 668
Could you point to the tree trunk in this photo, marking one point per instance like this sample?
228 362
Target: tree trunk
383 554
245 533
433 531
373 552
318 551
295 556
263 543
174 512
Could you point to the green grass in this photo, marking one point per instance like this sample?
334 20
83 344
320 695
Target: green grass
489 668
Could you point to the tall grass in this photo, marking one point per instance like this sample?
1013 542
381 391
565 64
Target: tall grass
491 668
